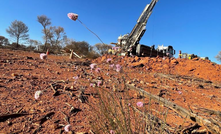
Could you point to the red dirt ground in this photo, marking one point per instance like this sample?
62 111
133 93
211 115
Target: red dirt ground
192 84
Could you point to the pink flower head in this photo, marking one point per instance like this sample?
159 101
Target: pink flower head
116 48
75 82
140 104
43 56
108 60
75 77
112 132
97 70
179 92
98 83
91 85
118 67
93 65
73 16
111 66
67 128
38 94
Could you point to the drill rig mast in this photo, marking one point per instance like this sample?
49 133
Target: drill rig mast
130 42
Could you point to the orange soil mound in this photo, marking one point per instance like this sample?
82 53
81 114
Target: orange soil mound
204 69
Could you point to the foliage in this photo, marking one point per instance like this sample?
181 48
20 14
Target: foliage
34 43
44 21
53 36
56 37
82 48
3 41
114 113
93 55
18 30
102 48
30 48
55 40
48 46
218 57
16 46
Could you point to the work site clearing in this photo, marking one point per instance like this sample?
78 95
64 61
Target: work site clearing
160 95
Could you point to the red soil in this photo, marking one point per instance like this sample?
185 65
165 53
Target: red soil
192 84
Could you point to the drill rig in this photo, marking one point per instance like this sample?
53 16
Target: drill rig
129 43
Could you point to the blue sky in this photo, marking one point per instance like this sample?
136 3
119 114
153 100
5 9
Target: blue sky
193 26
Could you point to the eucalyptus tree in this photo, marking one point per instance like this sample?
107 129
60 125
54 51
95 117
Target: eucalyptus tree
44 21
18 30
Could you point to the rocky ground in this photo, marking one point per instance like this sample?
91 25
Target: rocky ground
69 89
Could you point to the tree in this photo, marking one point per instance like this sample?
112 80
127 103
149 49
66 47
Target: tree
92 53
218 57
3 41
81 48
18 30
56 36
102 48
34 43
44 21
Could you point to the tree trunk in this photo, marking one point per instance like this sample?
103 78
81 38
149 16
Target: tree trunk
46 38
45 45
17 42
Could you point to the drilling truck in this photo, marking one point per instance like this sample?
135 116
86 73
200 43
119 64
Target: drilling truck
129 43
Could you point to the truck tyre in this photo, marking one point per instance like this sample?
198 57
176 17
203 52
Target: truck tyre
138 50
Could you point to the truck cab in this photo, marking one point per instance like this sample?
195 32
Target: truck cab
161 51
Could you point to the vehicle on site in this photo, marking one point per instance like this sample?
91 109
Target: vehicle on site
190 56
187 56
129 43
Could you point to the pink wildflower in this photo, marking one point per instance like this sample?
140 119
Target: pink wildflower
93 66
111 66
116 48
67 128
179 92
97 70
112 132
38 94
75 77
118 67
108 60
98 83
75 82
43 56
140 104
91 85
73 16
